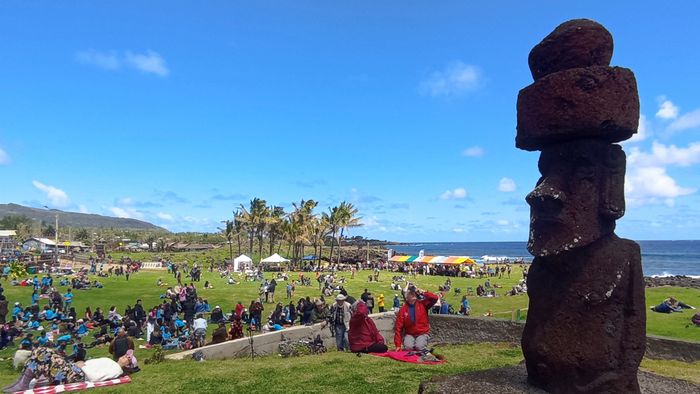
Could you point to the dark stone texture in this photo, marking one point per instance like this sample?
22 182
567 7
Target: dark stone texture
677 280
578 197
573 44
586 323
593 102
660 348
585 329
513 380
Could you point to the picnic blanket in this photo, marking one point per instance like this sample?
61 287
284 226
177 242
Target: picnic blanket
64 388
407 357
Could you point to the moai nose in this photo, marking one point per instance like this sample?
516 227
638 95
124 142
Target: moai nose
546 198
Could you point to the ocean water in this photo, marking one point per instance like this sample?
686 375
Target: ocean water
659 258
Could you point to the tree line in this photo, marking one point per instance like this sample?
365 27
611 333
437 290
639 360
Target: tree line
296 229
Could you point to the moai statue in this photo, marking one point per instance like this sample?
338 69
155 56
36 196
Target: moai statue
585 330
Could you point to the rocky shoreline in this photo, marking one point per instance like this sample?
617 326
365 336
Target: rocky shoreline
677 280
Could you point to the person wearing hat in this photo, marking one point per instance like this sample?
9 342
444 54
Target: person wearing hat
320 313
16 310
340 318
217 315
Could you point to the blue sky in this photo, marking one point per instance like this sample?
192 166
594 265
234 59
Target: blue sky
177 112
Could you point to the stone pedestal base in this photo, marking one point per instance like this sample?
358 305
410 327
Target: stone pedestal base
513 380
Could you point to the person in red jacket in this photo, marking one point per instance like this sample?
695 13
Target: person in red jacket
363 335
412 324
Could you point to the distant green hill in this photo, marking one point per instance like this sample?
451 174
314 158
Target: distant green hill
75 219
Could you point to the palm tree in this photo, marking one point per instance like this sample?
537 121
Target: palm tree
238 226
254 220
274 225
347 218
228 233
333 218
299 227
319 232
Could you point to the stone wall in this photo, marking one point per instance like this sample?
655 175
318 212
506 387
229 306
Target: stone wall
445 329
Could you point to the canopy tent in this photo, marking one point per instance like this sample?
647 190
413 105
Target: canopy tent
310 257
447 260
274 259
241 263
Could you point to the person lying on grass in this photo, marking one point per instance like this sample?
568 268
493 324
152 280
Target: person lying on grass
50 368
671 305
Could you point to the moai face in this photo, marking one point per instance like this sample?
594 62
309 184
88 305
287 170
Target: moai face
578 197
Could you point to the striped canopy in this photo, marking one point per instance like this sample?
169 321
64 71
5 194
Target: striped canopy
448 260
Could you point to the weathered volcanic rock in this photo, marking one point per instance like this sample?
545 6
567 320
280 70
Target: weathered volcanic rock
594 102
513 380
573 44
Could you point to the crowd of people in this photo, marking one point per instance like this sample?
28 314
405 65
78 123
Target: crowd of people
183 319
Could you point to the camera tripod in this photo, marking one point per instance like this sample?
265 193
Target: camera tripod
251 342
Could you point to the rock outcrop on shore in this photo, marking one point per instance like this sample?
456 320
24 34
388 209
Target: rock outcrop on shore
678 281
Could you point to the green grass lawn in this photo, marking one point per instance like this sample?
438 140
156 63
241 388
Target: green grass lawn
303 374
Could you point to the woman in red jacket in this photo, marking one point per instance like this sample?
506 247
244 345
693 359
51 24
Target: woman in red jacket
412 324
363 335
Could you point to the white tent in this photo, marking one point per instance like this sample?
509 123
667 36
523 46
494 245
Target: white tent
242 263
274 259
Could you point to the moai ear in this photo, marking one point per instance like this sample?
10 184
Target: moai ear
612 197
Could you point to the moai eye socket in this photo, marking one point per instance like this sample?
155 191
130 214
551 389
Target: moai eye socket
584 170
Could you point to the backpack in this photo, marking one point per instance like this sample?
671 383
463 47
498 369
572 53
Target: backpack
198 356
696 319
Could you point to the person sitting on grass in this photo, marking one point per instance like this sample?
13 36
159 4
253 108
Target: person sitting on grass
363 336
412 324
220 334
236 330
320 313
671 305
217 315
120 345
465 309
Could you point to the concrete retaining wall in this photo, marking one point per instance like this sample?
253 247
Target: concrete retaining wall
448 329
268 343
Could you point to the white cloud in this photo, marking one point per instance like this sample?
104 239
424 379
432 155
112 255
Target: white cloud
474 151
56 196
104 60
196 221
126 213
83 209
502 222
506 185
667 110
688 120
456 194
652 185
647 181
165 216
125 201
643 131
148 62
663 155
457 230
456 79
4 158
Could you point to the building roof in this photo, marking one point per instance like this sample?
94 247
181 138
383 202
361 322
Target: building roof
45 241
8 233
